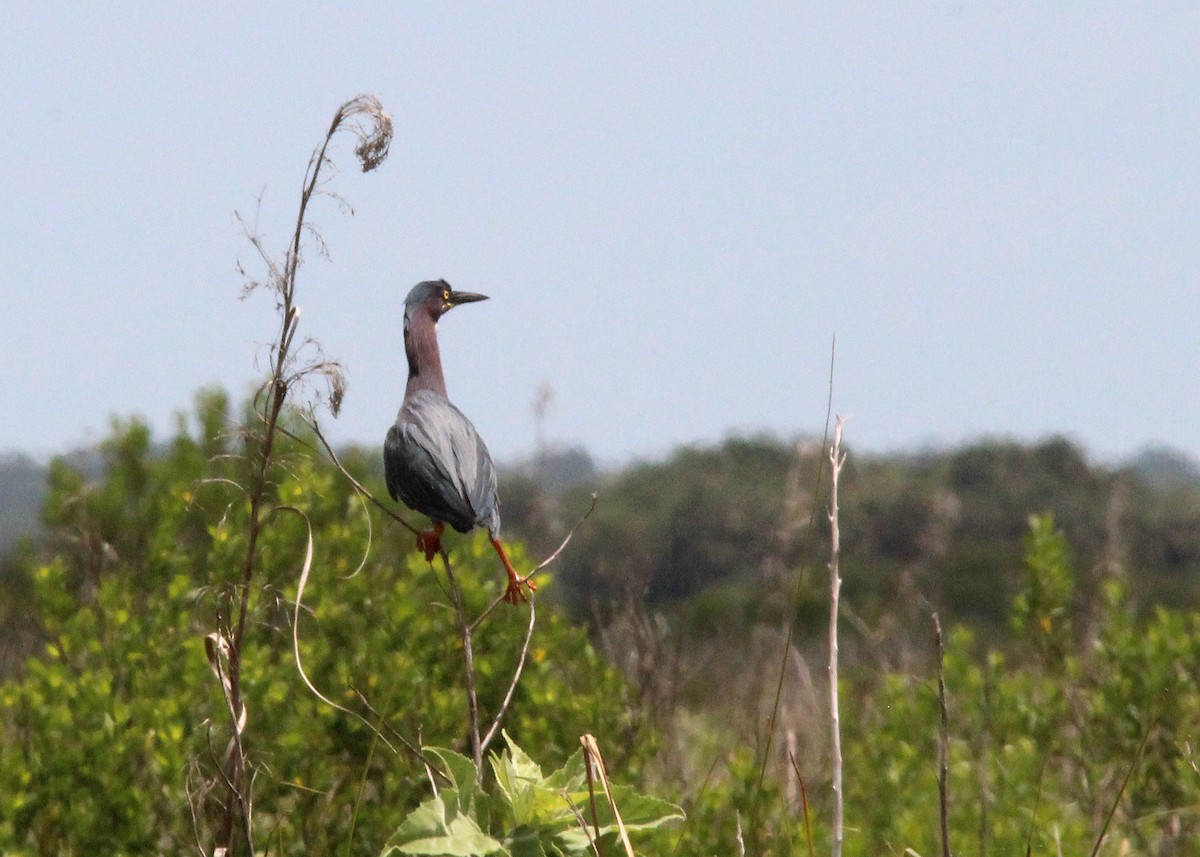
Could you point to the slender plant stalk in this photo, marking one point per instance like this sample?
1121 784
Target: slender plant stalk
1133 763
594 765
464 629
803 803
516 678
943 740
836 459
366 118
985 743
791 628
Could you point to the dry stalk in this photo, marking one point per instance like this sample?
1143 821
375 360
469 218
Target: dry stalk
804 802
365 118
837 458
594 765
943 740
791 627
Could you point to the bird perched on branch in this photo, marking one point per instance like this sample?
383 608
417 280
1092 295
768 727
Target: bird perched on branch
434 459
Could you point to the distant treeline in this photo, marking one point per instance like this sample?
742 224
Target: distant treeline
945 527
732 522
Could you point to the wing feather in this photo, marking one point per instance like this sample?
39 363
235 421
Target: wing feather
436 463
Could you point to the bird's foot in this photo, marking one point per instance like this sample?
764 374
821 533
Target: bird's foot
429 542
514 594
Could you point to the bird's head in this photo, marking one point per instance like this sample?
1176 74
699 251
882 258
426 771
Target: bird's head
436 298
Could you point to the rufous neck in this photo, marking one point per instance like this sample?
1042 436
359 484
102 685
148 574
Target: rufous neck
424 358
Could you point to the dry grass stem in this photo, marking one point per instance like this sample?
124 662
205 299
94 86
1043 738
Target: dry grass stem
796 595
364 117
943 740
836 460
1133 763
594 765
803 802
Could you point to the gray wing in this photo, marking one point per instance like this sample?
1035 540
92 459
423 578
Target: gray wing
436 463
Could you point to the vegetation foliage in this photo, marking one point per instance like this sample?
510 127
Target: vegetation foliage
112 729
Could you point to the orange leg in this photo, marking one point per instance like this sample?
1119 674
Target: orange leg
429 542
513 594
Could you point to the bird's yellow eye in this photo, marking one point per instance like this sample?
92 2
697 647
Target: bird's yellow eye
445 294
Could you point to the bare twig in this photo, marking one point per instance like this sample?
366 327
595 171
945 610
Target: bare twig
358 486
688 820
1133 763
464 629
408 745
943 740
803 802
512 686
837 458
594 765
796 593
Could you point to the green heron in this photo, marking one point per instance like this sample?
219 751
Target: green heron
433 458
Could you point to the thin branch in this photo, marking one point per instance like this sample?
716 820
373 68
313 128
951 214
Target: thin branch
1137 757
943 740
403 741
803 802
772 722
553 556
836 459
358 486
464 629
512 686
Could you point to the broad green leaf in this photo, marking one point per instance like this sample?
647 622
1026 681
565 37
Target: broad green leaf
460 769
571 776
433 828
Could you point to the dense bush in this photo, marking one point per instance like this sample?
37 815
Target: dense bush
110 733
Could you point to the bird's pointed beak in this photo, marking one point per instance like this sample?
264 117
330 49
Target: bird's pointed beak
457 298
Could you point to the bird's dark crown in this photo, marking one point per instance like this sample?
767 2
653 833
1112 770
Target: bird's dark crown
436 297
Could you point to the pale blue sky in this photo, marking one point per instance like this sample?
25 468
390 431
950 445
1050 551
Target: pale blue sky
675 207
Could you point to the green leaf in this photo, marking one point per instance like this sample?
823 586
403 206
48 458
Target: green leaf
461 771
638 812
571 776
520 782
433 828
